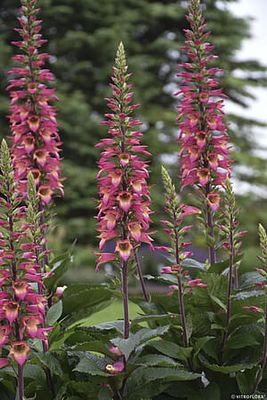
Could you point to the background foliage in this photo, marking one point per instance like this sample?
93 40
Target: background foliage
83 34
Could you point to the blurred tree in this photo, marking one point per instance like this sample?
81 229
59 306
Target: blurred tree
83 36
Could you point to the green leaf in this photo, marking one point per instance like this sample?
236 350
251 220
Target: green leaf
54 313
155 317
60 266
246 380
83 299
50 361
35 373
159 360
240 340
244 295
191 264
128 346
218 302
112 325
200 343
249 279
226 369
141 376
172 349
92 365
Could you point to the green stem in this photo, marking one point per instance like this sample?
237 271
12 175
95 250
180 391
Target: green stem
141 277
124 281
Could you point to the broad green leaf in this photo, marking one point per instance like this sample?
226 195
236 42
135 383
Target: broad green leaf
82 300
92 366
152 360
155 317
246 380
240 340
227 369
172 349
128 346
200 343
144 375
50 361
54 313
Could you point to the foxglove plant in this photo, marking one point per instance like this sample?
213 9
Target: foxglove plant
23 307
204 148
124 205
177 230
35 138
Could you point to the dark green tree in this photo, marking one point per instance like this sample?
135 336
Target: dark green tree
83 36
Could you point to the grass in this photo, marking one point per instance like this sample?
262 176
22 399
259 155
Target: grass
111 313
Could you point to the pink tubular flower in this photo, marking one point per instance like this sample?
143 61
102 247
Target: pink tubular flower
204 154
124 205
35 138
115 368
3 362
19 351
197 283
254 309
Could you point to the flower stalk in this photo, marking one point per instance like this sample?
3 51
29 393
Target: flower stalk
204 149
35 139
124 205
23 308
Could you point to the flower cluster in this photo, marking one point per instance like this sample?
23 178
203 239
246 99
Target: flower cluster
124 213
35 138
22 305
204 154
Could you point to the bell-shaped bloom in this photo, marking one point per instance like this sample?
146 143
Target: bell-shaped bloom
19 352
31 324
124 248
213 200
115 368
5 331
11 310
21 289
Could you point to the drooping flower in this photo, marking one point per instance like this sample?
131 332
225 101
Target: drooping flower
115 368
35 138
124 206
19 351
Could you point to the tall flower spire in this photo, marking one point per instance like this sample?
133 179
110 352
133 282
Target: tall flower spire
124 205
204 154
35 138
23 308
